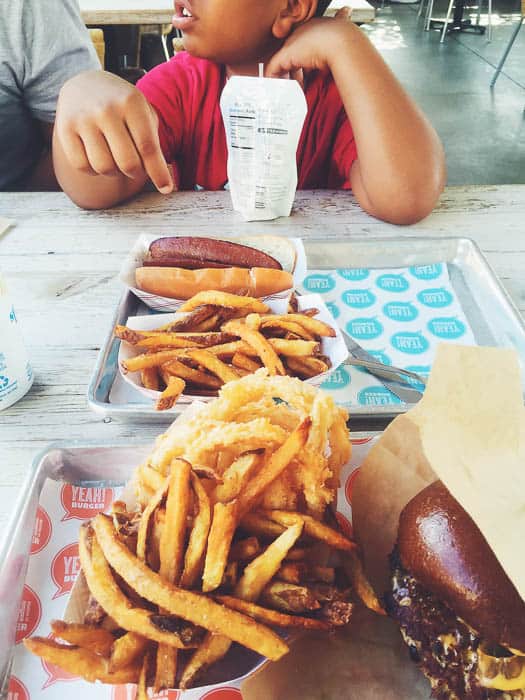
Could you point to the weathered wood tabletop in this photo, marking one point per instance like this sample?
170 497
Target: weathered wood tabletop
62 264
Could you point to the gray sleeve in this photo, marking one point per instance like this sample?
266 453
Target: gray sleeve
57 47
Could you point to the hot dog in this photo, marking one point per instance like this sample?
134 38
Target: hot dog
179 267
208 250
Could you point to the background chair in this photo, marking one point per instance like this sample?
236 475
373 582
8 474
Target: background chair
509 45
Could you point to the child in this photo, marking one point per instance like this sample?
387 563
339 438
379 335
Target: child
362 130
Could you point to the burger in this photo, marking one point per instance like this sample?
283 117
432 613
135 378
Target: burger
460 615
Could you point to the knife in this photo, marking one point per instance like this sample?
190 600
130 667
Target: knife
392 378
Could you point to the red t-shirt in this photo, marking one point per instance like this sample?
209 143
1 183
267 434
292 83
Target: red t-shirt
185 91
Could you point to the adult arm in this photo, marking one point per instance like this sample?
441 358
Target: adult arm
400 170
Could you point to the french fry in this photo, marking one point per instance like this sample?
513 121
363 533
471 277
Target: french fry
353 567
313 528
145 672
306 367
191 320
171 555
172 340
259 343
259 525
231 574
210 324
194 556
221 533
245 362
95 639
214 647
296 553
171 393
224 299
191 606
80 662
236 475
322 573
312 325
244 550
147 513
126 650
213 364
262 569
292 572
154 359
272 617
174 532
282 323
105 590
290 598
195 376
273 467
149 378
294 348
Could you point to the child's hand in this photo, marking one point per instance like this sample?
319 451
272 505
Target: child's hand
105 126
311 46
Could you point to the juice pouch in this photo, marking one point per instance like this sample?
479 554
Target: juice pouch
263 118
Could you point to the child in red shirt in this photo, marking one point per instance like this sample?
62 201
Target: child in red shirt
362 131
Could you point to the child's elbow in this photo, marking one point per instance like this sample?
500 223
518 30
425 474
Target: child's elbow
411 202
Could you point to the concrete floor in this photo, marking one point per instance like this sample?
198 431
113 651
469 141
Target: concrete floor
483 130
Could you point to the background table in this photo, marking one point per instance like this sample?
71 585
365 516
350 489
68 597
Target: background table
62 264
102 12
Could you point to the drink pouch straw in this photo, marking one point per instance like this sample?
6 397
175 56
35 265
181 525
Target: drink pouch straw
263 118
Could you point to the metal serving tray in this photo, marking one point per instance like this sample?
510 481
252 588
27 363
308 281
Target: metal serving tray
85 465
88 465
491 314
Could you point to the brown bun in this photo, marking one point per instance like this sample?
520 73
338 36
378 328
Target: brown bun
442 547
204 250
178 283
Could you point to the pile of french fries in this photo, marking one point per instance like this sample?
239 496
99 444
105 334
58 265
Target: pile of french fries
228 536
223 337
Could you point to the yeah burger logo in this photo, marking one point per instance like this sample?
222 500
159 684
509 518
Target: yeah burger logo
29 614
83 502
16 690
65 568
41 531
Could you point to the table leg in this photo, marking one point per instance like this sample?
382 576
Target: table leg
459 24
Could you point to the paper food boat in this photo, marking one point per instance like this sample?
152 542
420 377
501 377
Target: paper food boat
160 303
334 348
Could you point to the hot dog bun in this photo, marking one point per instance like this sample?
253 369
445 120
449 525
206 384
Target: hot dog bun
177 267
178 283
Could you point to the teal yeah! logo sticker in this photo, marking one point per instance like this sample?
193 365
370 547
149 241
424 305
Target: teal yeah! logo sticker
447 328
426 272
355 274
400 311
319 283
410 343
333 309
358 298
435 298
392 283
339 379
423 371
376 396
364 328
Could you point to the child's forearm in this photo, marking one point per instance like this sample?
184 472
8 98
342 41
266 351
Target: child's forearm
89 190
400 171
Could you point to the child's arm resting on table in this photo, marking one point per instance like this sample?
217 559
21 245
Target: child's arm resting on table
105 151
400 170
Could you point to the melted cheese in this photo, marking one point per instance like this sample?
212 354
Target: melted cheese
500 680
